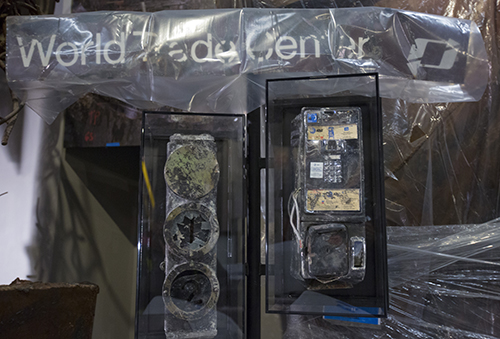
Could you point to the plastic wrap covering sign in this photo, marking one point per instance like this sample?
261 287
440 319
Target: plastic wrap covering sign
198 60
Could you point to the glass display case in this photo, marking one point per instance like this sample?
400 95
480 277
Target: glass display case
309 166
326 247
191 275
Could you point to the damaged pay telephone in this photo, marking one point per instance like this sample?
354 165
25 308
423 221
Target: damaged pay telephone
326 208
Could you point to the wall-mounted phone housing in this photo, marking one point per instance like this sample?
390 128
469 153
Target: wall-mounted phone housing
325 204
328 148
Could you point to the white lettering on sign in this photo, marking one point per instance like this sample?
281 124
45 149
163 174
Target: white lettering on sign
177 54
288 45
121 46
207 44
59 52
44 57
225 56
99 50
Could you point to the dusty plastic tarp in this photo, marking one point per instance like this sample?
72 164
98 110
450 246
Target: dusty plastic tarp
442 160
443 283
217 61
311 3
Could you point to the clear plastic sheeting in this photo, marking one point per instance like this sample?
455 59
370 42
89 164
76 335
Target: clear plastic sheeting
444 283
311 3
200 60
442 160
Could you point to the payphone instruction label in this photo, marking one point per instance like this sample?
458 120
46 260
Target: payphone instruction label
336 132
333 200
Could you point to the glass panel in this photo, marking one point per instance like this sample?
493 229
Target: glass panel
325 206
192 227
